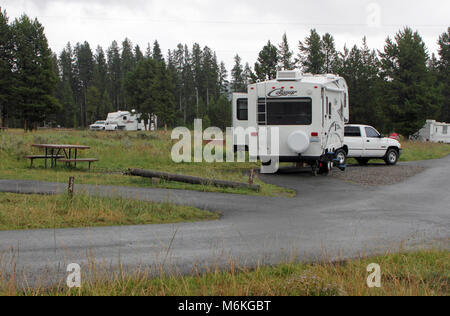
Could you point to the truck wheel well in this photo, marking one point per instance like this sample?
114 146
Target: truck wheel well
345 148
393 147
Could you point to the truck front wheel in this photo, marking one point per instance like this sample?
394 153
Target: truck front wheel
391 157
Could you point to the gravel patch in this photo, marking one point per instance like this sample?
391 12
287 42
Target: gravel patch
377 174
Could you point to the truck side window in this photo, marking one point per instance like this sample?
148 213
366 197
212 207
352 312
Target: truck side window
352 131
242 109
371 133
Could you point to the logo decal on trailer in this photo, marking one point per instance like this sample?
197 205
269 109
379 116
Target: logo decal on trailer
281 93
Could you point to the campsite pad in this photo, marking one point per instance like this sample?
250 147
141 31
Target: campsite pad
377 174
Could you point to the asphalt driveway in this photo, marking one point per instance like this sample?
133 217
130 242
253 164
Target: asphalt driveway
328 219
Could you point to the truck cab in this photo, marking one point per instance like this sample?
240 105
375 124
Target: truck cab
364 143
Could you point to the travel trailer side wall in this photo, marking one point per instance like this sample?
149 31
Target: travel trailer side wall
435 132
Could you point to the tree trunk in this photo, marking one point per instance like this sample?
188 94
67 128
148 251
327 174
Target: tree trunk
191 180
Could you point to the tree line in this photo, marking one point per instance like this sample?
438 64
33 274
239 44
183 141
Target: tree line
394 89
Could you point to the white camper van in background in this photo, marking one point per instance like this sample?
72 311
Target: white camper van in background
310 111
125 121
435 132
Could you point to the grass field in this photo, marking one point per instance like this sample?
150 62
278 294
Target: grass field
422 273
39 212
117 152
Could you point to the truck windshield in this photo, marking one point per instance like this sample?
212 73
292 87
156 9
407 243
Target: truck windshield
289 111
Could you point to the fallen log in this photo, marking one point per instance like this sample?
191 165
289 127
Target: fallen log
190 179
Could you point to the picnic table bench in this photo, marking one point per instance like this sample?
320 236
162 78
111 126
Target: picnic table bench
33 158
62 153
88 160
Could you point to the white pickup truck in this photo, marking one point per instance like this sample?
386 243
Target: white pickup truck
364 143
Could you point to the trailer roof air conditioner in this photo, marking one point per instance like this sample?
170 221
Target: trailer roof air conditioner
289 75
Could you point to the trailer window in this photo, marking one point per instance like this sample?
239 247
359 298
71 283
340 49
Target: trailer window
445 130
242 109
352 131
289 111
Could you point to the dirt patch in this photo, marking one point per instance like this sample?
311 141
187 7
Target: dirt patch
377 174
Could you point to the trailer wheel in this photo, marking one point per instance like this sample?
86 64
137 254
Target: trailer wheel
341 155
326 167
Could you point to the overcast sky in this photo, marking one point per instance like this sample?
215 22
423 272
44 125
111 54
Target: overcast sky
231 26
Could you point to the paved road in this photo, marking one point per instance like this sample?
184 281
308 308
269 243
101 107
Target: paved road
328 219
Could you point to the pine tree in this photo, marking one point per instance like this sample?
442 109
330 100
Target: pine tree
210 74
359 66
35 77
93 104
329 53
409 88
189 87
84 69
138 54
67 89
285 55
150 89
148 51
237 76
223 79
115 74
100 82
311 54
6 65
128 62
220 113
443 74
249 76
157 54
266 66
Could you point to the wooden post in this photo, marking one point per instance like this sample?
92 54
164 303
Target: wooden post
71 186
251 179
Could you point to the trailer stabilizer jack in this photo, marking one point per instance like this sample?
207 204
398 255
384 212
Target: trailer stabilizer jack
342 167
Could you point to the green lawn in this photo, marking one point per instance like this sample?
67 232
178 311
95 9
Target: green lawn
117 152
422 273
59 211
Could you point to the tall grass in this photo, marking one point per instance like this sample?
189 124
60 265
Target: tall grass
38 212
413 151
421 273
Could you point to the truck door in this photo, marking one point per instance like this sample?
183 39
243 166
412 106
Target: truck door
374 145
354 141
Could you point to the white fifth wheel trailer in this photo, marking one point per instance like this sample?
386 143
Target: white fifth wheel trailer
310 112
435 132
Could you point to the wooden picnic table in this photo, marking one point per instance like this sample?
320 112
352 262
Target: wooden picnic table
55 152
